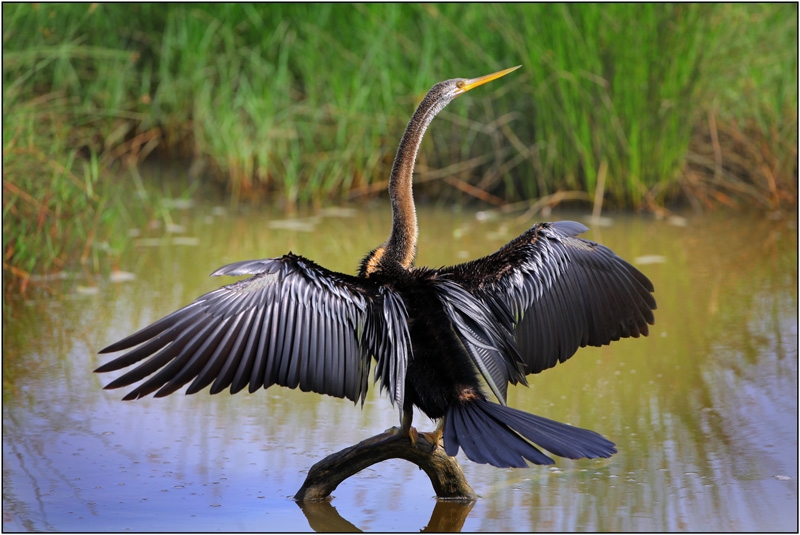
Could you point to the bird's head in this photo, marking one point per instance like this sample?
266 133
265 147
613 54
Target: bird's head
441 94
450 89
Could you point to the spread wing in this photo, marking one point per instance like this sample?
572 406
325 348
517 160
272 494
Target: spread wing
293 323
562 292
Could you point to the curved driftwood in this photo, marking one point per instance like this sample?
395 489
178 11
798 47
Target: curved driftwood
444 472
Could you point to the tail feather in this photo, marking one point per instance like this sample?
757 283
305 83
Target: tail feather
472 441
495 434
486 441
510 449
557 438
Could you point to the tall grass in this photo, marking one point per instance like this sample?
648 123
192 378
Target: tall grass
744 145
614 83
306 102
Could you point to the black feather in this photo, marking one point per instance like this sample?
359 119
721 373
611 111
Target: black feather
494 434
485 438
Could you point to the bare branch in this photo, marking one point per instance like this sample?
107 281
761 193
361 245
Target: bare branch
444 472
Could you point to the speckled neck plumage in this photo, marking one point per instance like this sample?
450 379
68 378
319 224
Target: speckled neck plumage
401 247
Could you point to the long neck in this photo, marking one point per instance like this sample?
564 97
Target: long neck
401 247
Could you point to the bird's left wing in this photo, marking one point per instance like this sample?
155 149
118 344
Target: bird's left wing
293 323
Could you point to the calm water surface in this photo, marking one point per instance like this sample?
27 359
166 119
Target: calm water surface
703 411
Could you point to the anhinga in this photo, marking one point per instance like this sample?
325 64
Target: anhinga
433 333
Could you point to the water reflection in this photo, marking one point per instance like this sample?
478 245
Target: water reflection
446 517
704 411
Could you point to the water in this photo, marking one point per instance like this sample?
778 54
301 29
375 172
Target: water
703 411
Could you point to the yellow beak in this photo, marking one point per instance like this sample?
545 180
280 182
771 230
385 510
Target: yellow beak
472 83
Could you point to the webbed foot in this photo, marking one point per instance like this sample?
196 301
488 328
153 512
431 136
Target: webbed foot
434 437
407 430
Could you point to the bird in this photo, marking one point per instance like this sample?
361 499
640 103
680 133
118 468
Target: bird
434 336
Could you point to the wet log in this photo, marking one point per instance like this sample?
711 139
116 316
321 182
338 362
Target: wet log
444 472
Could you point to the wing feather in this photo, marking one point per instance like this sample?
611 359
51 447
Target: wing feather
287 367
292 322
221 373
205 357
564 292
179 360
487 336
236 370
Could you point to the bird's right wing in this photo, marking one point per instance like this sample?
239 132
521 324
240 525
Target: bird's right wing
562 292
293 323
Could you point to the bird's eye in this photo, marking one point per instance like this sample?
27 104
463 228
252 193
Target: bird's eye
460 84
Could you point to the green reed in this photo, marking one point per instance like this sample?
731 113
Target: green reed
613 83
305 103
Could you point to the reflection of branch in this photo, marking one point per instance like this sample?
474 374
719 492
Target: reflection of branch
444 472
447 517
324 518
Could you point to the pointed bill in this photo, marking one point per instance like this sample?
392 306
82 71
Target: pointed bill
472 83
